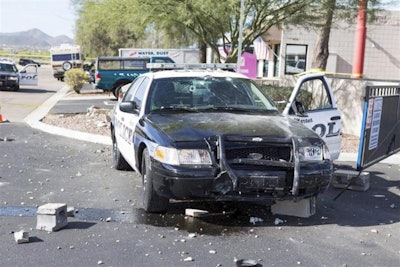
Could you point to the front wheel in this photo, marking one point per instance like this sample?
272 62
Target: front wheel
152 202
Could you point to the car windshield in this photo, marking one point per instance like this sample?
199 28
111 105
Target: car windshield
207 94
8 67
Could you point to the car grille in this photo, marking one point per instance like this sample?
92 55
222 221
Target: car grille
265 152
255 164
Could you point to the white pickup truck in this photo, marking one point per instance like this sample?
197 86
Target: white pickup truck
319 112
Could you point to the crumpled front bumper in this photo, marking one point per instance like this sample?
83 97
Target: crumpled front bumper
251 185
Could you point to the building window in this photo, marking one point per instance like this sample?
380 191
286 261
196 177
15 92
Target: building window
295 60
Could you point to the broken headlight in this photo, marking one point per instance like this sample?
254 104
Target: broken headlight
313 153
175 156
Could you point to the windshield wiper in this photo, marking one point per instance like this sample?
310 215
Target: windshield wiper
186 109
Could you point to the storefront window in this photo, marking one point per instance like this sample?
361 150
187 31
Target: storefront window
295 60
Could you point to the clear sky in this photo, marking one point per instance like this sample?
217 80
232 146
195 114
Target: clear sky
53 17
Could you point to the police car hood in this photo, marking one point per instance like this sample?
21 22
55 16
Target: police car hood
197 126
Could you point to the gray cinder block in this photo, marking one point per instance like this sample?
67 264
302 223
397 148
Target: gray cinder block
359 181
52 217
302 208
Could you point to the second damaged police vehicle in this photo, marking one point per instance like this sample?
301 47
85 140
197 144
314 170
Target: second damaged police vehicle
212 134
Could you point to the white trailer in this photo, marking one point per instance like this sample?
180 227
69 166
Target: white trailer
65 57
177 55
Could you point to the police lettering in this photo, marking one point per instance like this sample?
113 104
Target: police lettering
29 77
321 129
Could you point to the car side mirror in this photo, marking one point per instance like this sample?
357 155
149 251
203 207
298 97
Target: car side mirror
299 109
129 107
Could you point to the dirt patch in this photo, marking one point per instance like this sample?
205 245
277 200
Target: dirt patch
95 121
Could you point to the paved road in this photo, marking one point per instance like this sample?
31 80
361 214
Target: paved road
358 229
15 106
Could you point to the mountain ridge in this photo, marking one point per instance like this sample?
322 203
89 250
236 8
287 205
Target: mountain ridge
33 38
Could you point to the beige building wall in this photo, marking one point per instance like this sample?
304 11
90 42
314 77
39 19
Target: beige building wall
382 48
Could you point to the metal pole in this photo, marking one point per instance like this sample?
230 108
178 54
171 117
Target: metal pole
240 41
359 45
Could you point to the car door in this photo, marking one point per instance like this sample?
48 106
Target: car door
28 75
313 104
126 125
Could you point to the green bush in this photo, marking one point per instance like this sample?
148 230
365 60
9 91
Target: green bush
75 79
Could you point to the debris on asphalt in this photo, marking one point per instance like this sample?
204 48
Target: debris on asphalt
278 221
21 237
188 259
192 235
52 217
255 220
195 212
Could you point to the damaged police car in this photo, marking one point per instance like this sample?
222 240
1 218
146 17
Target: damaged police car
212 134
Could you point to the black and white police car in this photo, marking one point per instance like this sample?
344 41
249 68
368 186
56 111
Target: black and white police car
12 78
212 134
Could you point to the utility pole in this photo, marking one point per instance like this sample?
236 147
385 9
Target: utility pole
240 41
359 42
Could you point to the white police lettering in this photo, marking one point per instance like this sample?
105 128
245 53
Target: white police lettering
307 120
321 129
124 131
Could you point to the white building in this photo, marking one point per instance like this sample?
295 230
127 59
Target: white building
292 49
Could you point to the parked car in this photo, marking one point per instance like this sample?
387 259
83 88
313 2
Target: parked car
114 72
25 61
11 78
213 135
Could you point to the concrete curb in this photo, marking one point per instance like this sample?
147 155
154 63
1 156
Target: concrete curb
33 120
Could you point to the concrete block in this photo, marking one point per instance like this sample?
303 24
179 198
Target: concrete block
303 208
52 217
21 237
341 178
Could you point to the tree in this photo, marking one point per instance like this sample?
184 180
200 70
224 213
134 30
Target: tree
216 23
104 26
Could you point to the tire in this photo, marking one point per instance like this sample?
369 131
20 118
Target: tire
119 162
116 91
152 202
67 65
16 88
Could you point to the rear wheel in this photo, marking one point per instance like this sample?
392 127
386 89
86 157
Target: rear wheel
119 161
152 202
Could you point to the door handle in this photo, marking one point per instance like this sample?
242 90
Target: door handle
335 118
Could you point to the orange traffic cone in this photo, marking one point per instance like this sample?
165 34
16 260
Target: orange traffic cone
1 117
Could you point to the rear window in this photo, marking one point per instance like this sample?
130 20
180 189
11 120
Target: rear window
122 64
